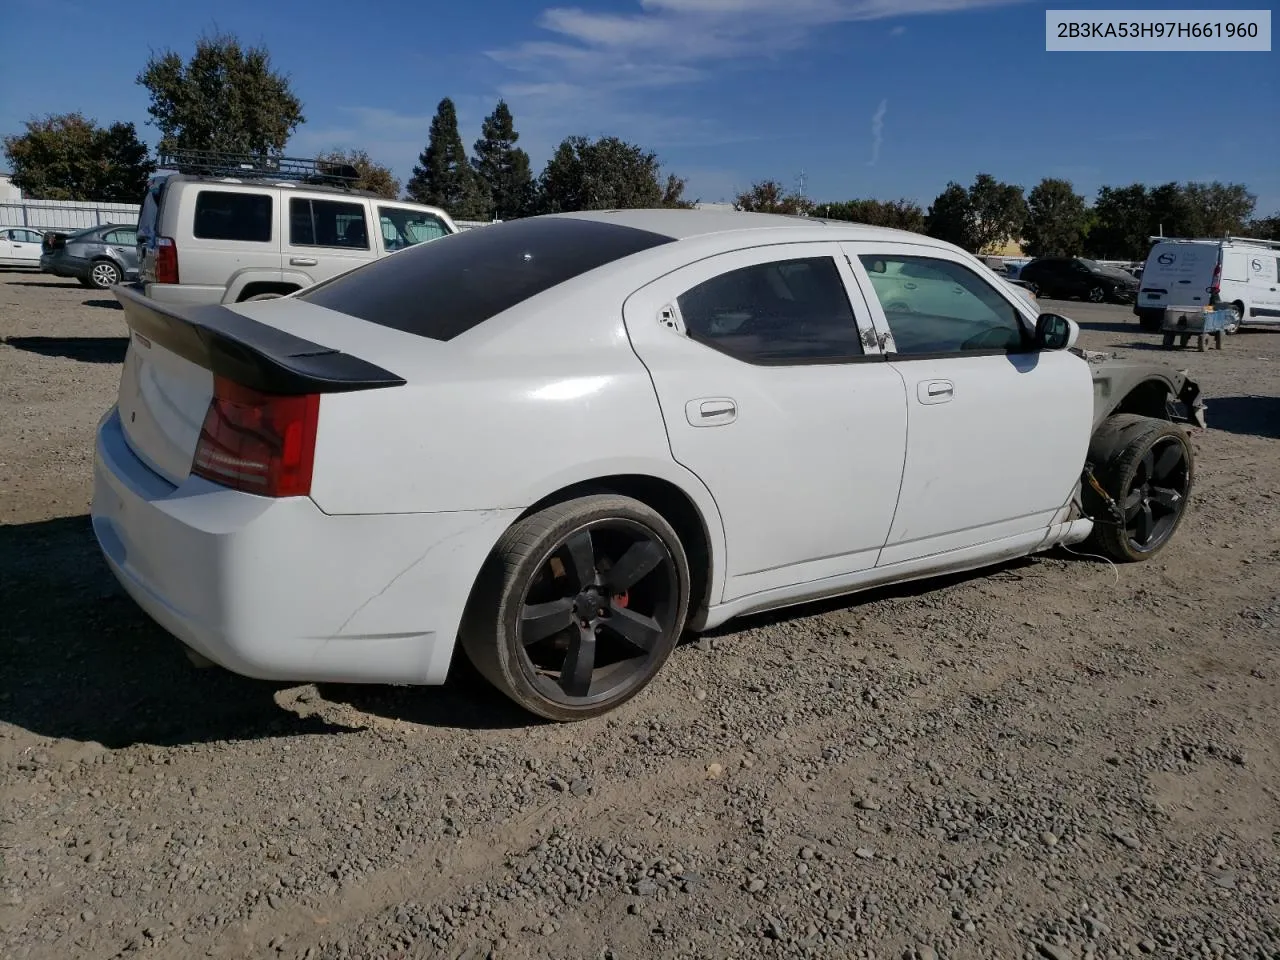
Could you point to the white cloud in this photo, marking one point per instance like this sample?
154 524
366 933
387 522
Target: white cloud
877 132
898 31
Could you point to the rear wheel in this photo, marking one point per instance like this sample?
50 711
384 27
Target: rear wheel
1097 294
579 606
1233 324
1147 467
103 274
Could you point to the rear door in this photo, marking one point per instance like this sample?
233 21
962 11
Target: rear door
1178 275
327 236
1264 285
997 432
775 395
124 244
23 246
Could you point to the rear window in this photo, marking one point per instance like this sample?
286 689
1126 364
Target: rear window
444 288
224 215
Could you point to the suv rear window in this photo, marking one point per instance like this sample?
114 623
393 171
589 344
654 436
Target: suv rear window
224 215
444 288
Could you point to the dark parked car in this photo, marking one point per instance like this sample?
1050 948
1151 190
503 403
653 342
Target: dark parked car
1065 278
99 257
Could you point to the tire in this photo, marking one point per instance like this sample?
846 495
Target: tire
1149 320
103 275
1097 295
1128 453
523 564
1239 309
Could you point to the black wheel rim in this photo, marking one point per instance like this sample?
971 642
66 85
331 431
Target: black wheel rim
1157 495
1097 295
598 612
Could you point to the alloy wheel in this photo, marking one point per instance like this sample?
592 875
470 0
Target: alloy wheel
597 611
1157 495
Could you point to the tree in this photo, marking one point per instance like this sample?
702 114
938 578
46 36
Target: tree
1171 213
373 176
1057 220
69 157
1121 224
999 212
227 98
443 176
1223 208
897 214
605 174
769 196
950 217
1264 228
502 167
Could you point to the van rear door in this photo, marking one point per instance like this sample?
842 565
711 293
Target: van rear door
1178 275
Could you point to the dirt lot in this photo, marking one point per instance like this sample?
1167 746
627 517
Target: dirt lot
1057 759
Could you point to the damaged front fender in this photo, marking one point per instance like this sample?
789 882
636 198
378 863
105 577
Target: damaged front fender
1149 388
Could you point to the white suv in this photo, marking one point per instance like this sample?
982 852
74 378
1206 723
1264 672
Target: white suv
232 233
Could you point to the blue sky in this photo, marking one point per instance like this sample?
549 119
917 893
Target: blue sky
866 98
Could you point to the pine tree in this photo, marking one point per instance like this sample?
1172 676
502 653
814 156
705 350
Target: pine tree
502 167
443 177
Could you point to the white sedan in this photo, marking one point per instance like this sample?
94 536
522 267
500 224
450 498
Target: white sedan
20 247
561 441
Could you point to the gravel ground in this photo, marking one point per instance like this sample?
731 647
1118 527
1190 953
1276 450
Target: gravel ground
1057 759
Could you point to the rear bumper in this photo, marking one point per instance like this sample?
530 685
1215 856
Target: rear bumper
279 590
183 294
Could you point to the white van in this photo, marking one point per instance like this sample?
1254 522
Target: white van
1234 271
221 231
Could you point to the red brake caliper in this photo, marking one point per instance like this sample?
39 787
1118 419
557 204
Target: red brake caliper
622 599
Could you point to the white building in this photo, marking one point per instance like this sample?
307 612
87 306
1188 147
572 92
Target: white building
7 190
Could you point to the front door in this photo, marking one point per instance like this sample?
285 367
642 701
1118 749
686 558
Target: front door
997 431
776 396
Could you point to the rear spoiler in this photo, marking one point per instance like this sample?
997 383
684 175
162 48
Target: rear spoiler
252 354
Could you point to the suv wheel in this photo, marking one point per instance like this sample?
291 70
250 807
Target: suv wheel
1097 294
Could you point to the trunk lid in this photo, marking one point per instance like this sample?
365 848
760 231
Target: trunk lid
174 354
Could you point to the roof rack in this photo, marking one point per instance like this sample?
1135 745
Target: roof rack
1224 239
247 166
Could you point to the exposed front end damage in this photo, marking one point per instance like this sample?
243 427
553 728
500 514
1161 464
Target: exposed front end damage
1153 389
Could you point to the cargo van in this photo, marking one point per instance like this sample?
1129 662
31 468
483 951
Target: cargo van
1233 271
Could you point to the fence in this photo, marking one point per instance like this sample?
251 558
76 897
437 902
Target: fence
65 214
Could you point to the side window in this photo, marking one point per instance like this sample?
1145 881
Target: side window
939 307
787 311
26 236
404 228
327 223
121 238
223 215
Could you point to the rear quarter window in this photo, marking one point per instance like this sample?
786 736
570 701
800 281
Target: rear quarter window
446 287
227 215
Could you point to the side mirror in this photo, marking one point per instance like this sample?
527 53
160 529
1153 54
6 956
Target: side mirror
1054 332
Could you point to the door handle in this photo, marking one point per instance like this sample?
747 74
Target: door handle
711 411
935 391
303 261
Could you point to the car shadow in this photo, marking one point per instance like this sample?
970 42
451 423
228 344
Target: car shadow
105 304
79 660
1102 326
49 285
85 349
1255 416
1017 569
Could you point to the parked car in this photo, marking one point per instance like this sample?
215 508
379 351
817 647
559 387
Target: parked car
1066 278
19 247
235 233
1240 272
560 440
99 257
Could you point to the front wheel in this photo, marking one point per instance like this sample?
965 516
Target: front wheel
1097 294
578 606
1233 322
1147 467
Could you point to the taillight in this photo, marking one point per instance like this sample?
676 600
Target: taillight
166 269
258 442
1216 286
